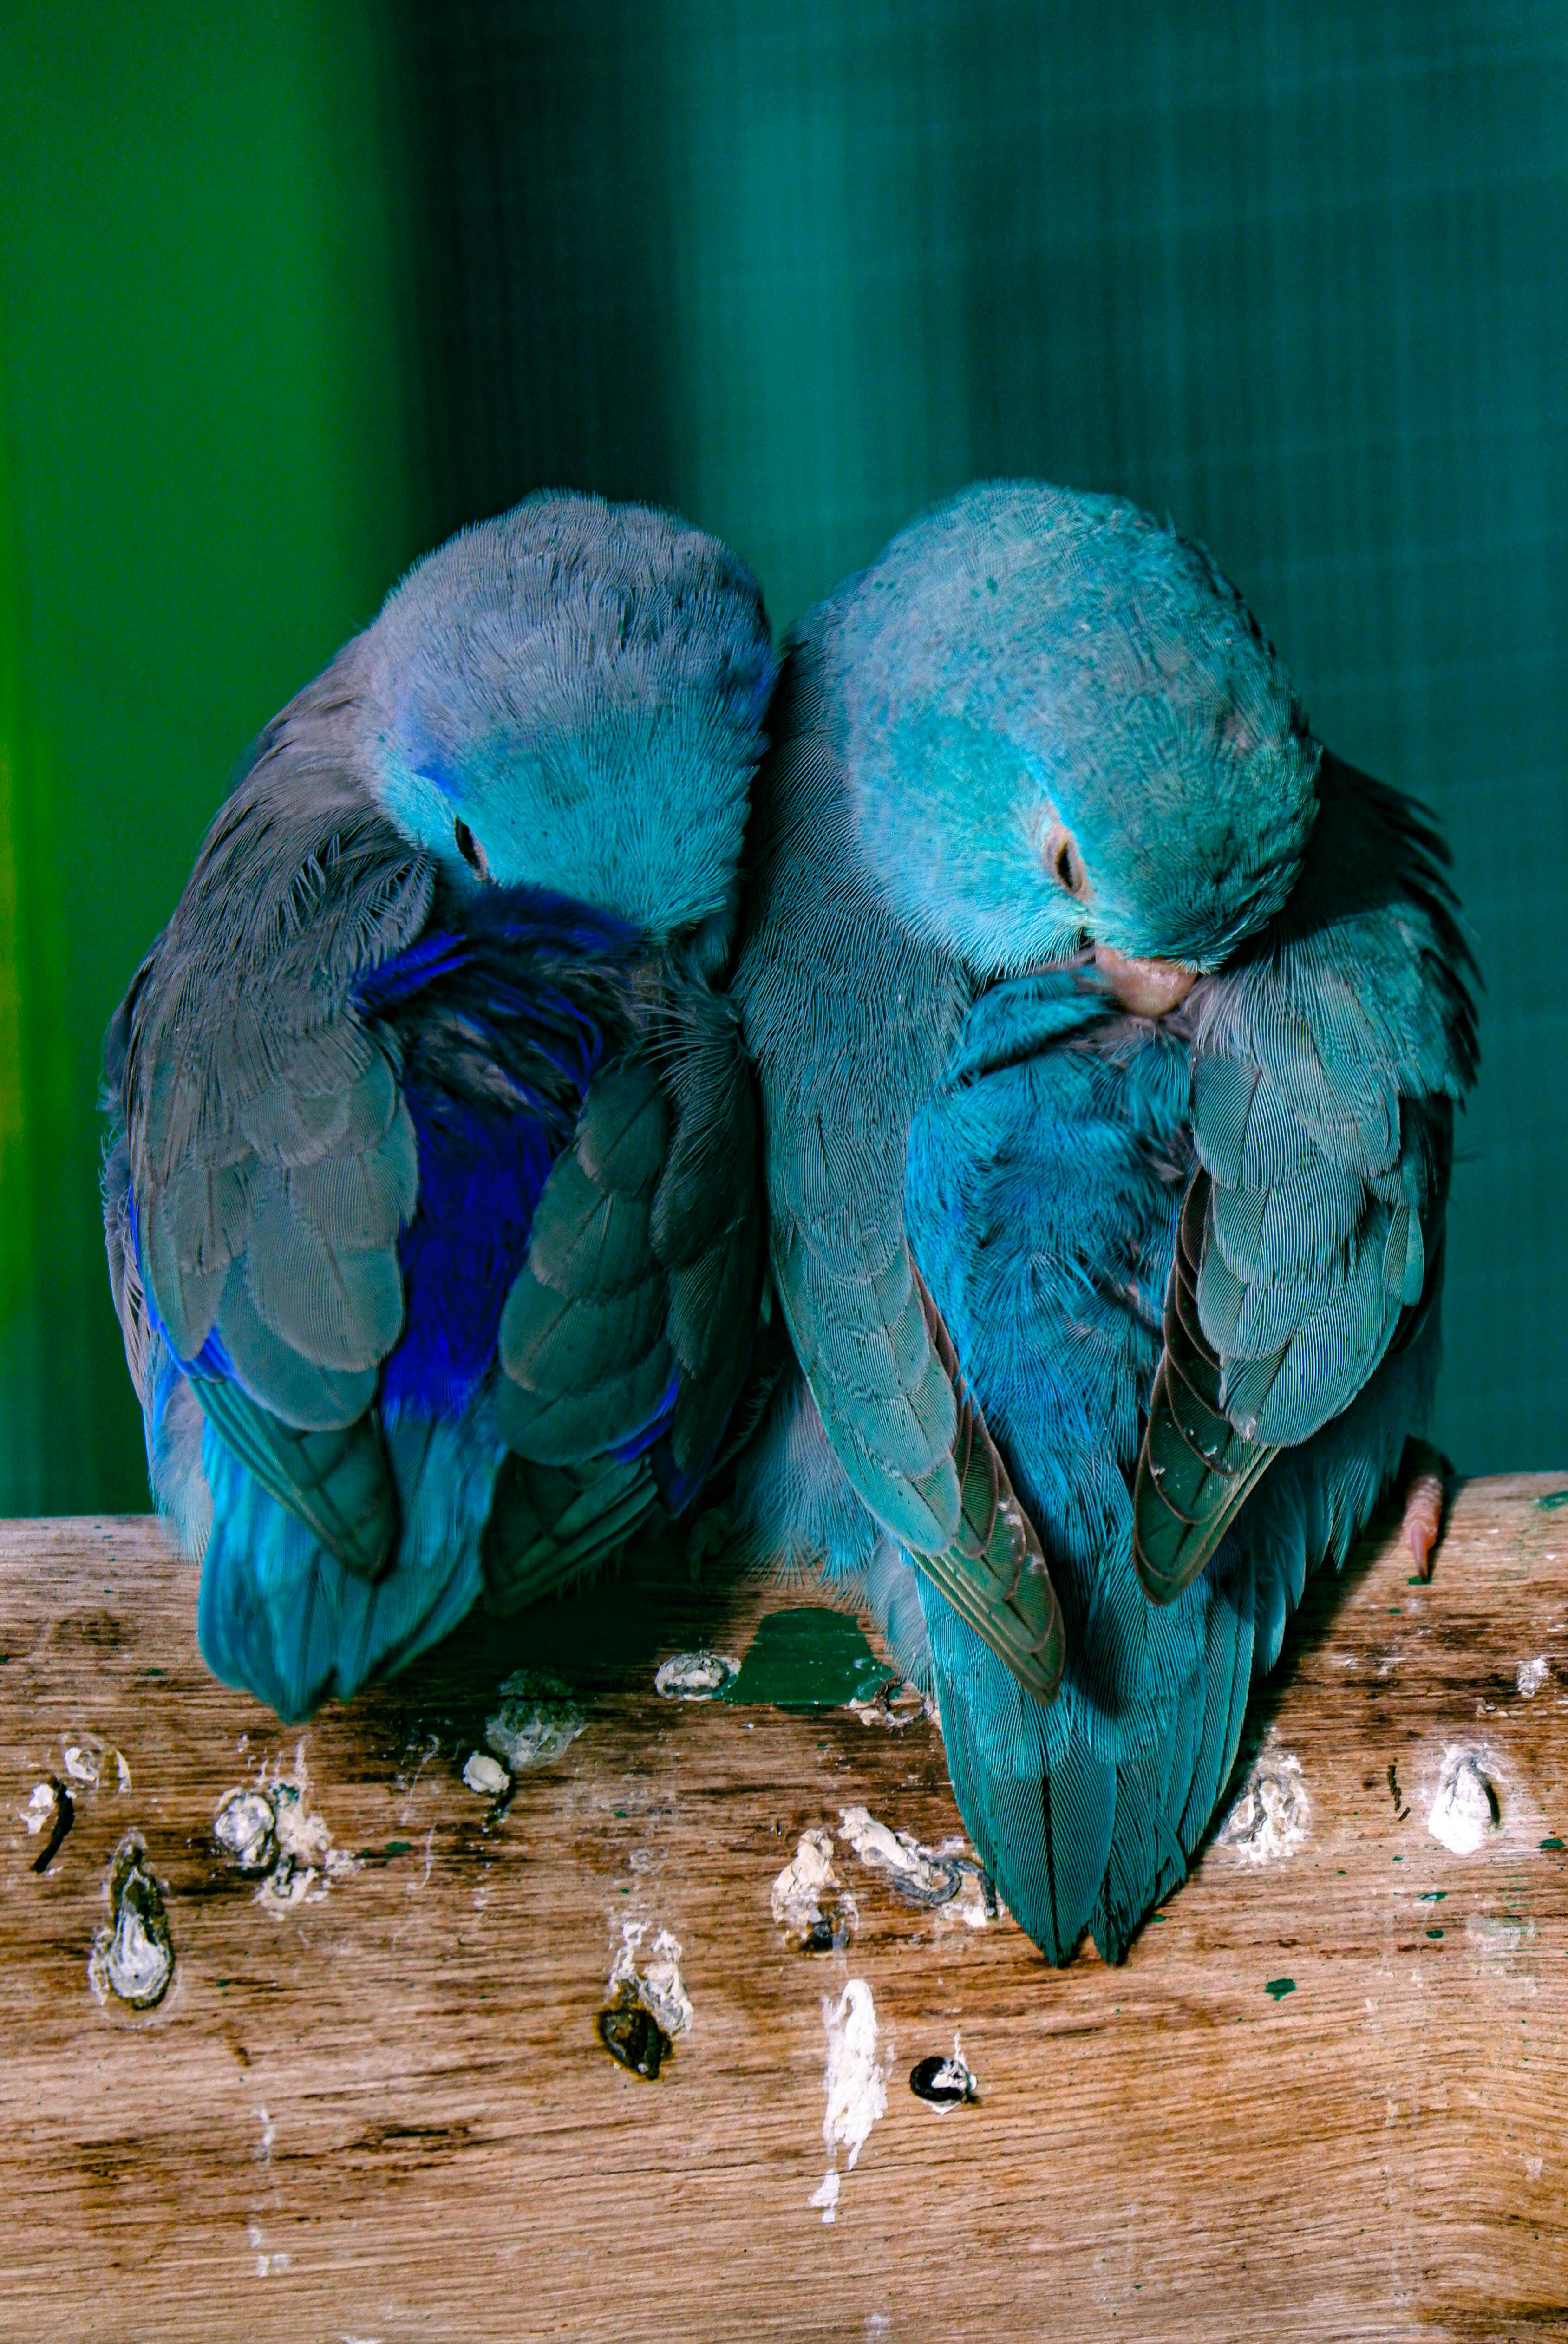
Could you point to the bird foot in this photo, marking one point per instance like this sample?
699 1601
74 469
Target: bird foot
1427 1475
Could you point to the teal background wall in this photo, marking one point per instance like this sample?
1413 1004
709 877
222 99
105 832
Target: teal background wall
287 299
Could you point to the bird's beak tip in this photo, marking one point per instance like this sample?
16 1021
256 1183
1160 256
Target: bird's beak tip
1147 988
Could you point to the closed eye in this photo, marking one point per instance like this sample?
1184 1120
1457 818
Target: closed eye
1065 864
471 850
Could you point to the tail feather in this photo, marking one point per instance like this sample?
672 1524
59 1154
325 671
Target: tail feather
1043 1829
1080 1834
336 1479
280 1617
1228 1677
1145 1859
552 1524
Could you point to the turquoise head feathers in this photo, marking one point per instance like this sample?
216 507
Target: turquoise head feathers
575 690
1065 728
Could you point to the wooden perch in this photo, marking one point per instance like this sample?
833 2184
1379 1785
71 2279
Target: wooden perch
369 2094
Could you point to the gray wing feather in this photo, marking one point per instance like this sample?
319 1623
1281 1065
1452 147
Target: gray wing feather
644 1271
1327 1066
271 1157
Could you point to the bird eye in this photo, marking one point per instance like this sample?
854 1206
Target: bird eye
1065 864
471 850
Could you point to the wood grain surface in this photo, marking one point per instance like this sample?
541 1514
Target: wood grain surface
374 2102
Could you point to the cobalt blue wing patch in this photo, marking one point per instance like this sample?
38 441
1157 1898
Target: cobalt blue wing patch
657 1426
480 1181
503 1009
502 929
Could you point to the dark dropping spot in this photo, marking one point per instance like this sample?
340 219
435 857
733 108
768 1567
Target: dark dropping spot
392 2139
1277 1988
134 1959
1432 1896
400 1847
633 2038
1394 1786
99 1628
110 2163
1434 1933
65 1816
152 1672
946 2083
1551 1842
1553 1498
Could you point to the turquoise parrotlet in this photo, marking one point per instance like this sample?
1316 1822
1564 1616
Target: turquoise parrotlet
433 1185
1110 1034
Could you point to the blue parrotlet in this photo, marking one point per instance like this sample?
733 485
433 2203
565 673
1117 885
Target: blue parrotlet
1109 1033
433 1191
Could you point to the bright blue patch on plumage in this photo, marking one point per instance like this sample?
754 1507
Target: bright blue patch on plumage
658 1424
677 1489
482 1165
165 1374
212 1360
480 1181
522 920
397 980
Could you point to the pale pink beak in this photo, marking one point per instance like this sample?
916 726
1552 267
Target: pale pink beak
1146 988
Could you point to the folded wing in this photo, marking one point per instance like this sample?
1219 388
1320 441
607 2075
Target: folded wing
1327 1062
272 1158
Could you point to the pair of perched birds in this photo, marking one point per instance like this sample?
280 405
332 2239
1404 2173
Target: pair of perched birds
1007 997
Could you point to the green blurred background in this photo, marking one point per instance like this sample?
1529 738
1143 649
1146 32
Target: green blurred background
290 292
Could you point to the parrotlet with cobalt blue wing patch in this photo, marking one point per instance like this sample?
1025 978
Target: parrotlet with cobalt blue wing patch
1110 1034
434 1189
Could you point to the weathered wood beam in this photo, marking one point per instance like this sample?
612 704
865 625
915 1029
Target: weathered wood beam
1325 2096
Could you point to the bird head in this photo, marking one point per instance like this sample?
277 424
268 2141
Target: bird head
1064 731
571 697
